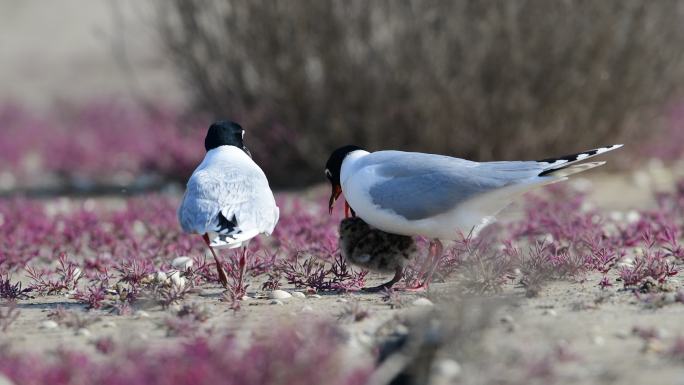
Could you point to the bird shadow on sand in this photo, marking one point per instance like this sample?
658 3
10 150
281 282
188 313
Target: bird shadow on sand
51 305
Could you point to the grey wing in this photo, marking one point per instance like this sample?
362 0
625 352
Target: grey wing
418 186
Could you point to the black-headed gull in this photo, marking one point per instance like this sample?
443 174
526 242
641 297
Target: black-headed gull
227 200
375 249
436 196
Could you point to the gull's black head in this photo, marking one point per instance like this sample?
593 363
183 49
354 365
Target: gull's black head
225 133
333 168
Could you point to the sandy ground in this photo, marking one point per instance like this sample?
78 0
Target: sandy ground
573 332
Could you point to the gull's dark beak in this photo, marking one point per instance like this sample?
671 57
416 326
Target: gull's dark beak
336 191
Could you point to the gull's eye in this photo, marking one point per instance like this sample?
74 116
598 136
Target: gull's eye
328 174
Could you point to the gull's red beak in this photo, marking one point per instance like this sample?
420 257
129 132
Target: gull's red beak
336 191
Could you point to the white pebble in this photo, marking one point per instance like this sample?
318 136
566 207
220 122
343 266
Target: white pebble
633 216
343 300
277 302
246 298
298 294
141 314
279 294
622 334
446 371
422 302
598 341
182 263
83 332
49 324
550 312
616 216
160 277
315 296
177 280
307 309
108 324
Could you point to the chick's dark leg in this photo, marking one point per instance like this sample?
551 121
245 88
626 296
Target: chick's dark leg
398 274
221 274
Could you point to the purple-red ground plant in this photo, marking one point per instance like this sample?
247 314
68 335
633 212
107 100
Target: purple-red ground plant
282 356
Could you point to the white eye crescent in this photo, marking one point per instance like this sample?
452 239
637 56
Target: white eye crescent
243 134
328 173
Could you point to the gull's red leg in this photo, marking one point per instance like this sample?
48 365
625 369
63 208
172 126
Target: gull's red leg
221 274
348 209
243 268
428 269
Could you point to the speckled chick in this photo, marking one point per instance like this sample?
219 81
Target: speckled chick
374 249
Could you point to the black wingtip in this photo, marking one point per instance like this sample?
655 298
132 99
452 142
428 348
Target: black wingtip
554 164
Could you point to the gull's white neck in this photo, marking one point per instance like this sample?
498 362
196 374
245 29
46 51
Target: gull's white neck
223 154
351 163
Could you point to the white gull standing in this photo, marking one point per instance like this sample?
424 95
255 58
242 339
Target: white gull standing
228 200
437 196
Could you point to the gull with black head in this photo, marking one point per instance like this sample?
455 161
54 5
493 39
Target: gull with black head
228 199
437 196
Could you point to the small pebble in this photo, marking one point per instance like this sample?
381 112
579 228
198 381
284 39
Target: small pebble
307 309
246 298
279 294
298 294
507 319
422 302
550 312
177 280
160 277
141 314
276 302
83 332
343 300
446 371
633 216
622 334
598 341
401 330
108 324
182 263
49 324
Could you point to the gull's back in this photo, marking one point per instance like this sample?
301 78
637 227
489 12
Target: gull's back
228 184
